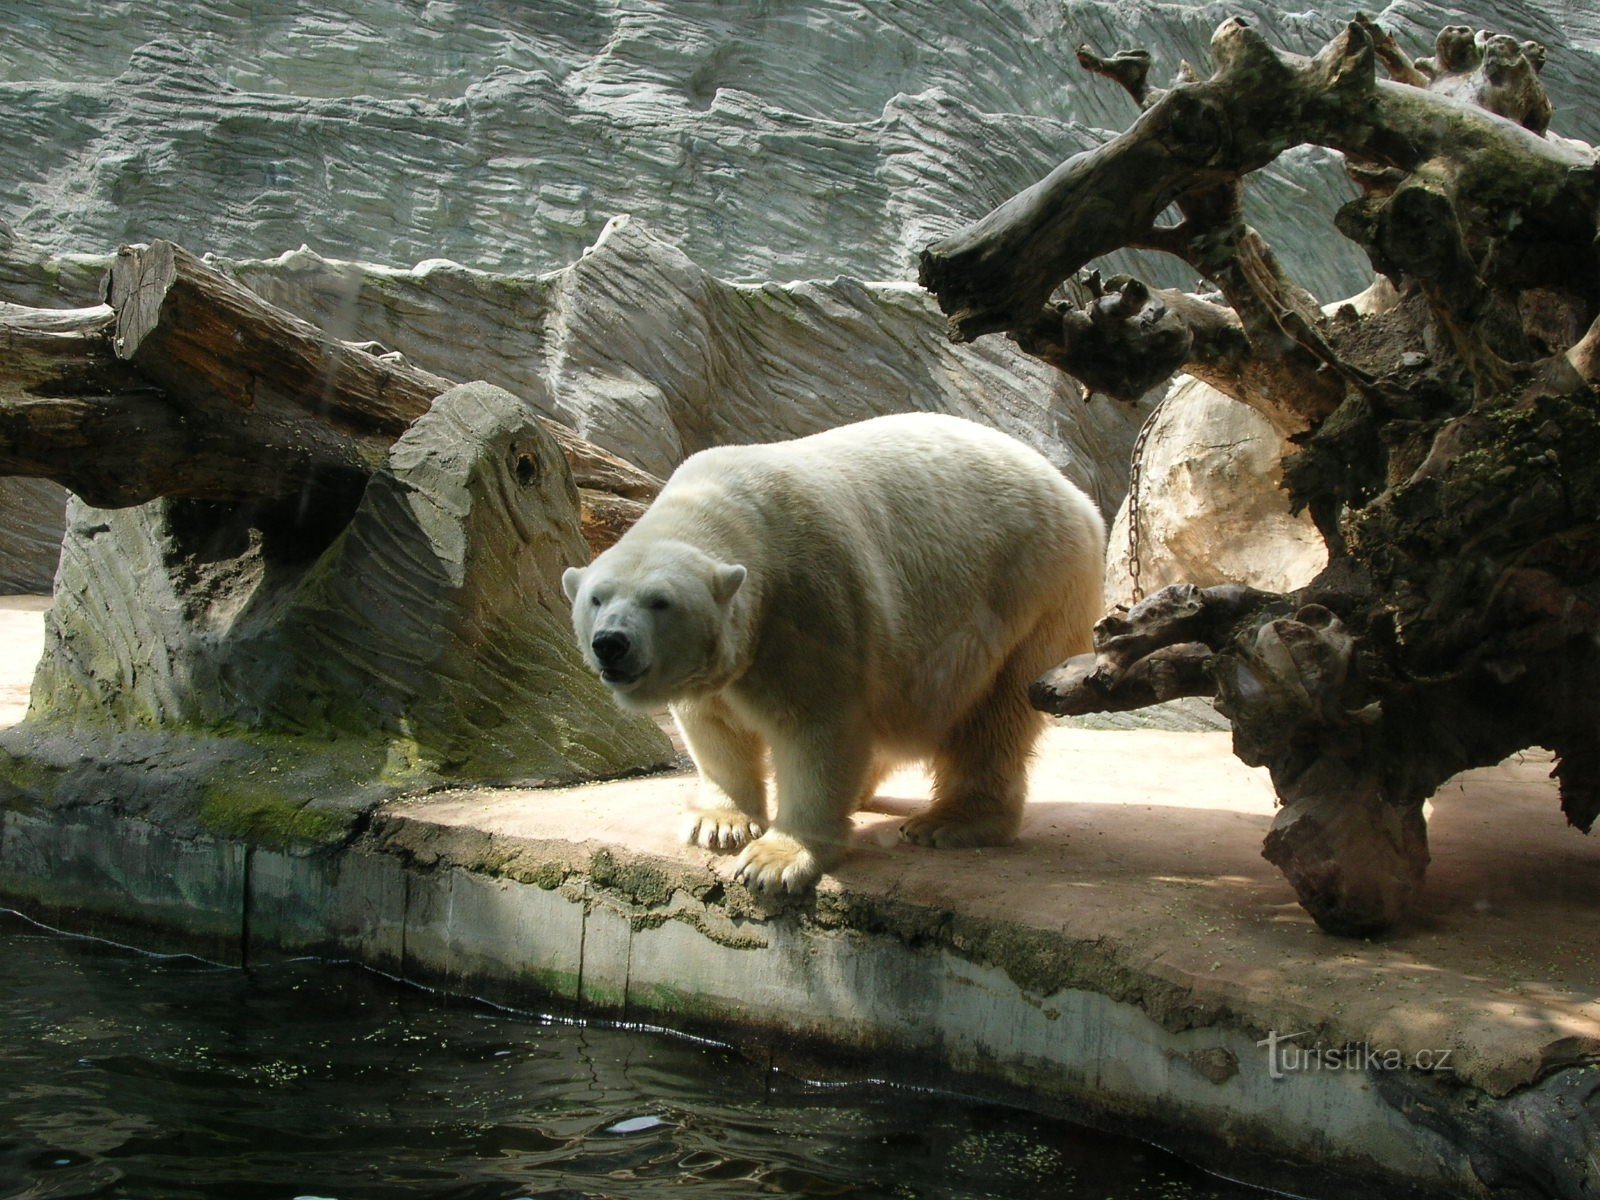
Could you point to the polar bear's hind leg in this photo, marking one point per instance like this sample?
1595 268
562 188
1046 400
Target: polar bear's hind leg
980 772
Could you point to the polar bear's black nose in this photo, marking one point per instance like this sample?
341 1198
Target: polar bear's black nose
610 647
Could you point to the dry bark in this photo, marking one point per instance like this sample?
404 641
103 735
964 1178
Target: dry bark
69 411
1448 447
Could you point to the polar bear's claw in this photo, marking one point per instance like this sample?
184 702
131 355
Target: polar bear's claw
775 863
722 832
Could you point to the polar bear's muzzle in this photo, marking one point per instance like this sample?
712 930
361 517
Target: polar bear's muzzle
615 655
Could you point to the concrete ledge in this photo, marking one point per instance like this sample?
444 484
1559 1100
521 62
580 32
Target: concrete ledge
1122 962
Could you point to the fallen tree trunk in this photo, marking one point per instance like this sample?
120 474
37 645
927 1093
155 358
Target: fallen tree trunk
326 577
70 411
187 384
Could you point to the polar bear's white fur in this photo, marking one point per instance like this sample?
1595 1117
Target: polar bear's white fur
840 603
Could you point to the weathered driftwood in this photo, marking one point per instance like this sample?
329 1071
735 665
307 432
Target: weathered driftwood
1154 652
1448 445
1493 71
1169 673
1192 145
187 384
997 274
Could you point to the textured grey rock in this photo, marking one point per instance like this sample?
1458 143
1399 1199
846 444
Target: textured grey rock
32 275
647 354
814 139
770 141
32 517
243 673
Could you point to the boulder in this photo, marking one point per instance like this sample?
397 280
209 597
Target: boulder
1212 506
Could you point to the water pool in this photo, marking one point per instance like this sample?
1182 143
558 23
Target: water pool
126 1075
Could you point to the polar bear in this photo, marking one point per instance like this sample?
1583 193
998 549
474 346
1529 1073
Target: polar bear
838 604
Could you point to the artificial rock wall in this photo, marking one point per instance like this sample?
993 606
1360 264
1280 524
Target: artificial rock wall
478 153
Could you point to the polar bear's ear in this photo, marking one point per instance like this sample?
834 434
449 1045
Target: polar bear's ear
726 580
571 581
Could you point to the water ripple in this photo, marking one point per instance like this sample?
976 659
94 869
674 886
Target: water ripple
133 1077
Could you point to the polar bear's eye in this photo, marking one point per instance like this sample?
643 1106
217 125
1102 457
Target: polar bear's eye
659 603
594 601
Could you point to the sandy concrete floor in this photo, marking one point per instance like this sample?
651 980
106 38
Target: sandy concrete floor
1148 844
21 642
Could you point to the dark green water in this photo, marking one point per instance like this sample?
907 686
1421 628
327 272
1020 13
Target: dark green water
123 1075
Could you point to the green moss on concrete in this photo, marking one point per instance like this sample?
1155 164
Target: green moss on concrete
547 876
913 924
1037 961
603 996
717 925
270 816
271 789
683 1003
560 985
26 784
1041 962
522 865
634 881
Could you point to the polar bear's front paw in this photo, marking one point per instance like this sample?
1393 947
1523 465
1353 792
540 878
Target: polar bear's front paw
776 862
721 829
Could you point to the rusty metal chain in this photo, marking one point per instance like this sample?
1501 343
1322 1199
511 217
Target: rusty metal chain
1135 513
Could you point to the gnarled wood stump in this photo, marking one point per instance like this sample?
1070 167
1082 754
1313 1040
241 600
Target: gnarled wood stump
1448 446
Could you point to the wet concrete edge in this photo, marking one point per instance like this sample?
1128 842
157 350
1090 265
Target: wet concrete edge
856 987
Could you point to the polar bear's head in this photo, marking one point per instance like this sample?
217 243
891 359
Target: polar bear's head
652 617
